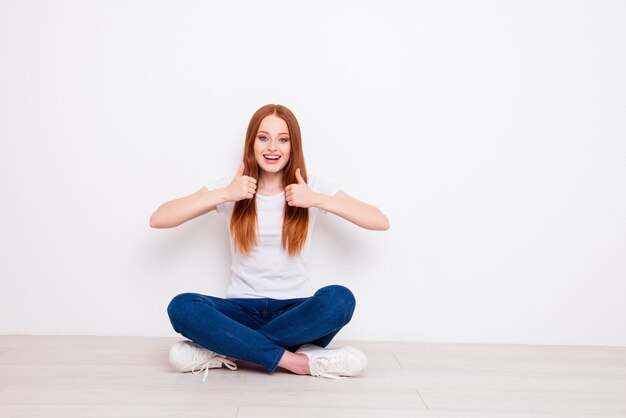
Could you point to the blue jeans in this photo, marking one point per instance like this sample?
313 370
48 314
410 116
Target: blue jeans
260 330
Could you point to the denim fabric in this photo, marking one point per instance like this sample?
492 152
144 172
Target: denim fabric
260 330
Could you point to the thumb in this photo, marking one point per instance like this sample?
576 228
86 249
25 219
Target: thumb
299 177
242 167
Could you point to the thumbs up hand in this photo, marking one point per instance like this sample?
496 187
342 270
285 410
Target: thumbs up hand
299 194
241 187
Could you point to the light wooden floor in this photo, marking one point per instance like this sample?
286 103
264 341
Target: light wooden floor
78 376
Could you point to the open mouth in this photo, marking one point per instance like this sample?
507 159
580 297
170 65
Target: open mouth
270 158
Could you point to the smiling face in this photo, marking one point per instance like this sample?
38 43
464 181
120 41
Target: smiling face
272 147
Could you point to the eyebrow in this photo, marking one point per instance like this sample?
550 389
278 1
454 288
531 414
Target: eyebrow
282 133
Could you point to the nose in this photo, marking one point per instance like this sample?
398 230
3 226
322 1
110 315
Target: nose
271 144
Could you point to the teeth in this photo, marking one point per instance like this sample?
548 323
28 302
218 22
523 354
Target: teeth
271 158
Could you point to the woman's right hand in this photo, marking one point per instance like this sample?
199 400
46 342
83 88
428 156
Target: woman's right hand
241 187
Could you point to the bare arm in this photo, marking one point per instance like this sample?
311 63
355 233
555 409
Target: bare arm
341 204
175 212
353 210
178 211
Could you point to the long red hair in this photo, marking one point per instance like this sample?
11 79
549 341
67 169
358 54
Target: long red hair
243 223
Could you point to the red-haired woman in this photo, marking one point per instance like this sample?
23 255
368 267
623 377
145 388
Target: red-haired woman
270 316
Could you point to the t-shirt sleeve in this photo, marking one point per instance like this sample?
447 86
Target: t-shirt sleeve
320 185
218 184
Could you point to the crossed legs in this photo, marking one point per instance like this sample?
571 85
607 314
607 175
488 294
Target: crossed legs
263 331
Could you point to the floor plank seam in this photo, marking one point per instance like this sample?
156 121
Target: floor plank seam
398 360
423 401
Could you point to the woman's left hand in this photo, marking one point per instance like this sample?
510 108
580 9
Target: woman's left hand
299 194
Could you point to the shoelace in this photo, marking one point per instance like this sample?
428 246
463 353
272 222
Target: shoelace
205 365
329 367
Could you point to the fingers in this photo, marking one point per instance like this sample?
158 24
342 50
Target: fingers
240 172
299 177
249 186
246 186
248 194
241 169
241 186
289 197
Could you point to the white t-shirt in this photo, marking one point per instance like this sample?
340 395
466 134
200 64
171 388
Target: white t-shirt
268 271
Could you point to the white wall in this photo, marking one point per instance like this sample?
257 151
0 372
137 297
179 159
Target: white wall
491 133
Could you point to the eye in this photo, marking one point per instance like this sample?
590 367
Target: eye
264 138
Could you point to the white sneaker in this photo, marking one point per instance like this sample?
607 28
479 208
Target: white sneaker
187 356
334 363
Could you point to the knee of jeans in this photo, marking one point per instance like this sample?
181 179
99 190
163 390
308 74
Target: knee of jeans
342 296
177 306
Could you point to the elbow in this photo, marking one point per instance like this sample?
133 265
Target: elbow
377 221
381 224
155 222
